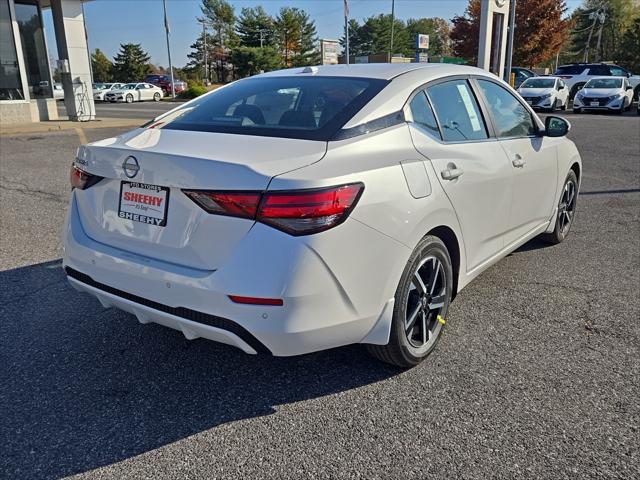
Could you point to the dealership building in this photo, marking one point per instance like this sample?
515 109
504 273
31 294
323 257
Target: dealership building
27 89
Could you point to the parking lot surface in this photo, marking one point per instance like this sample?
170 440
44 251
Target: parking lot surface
128 110
537 375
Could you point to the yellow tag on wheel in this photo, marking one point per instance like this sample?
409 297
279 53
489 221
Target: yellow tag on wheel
441 320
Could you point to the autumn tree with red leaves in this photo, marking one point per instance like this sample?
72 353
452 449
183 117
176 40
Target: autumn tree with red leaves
540 31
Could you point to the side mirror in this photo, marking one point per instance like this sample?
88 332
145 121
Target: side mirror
556 126
629 87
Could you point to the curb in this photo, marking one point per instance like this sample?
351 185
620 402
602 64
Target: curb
66 125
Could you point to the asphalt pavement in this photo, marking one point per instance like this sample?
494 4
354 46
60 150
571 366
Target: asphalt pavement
146 110
537 375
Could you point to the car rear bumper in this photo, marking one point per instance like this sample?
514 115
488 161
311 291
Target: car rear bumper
323 307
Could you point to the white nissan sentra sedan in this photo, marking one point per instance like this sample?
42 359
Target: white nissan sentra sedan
315 207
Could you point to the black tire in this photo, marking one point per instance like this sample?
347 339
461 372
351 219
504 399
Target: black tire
562 229
129 98
577 110
156 97
401 349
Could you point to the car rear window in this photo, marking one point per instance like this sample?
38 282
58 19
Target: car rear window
313 108
570 70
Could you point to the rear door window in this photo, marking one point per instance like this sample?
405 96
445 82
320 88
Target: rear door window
599 70
423 115
457 111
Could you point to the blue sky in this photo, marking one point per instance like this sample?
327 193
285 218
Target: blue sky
111 22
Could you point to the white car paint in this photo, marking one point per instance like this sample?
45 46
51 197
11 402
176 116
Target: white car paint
134 92
595 97
549 97
337 286
98 94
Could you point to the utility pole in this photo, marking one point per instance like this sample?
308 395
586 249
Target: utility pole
204 52
512 29
393 20
346 32
598 51
595 16
166 27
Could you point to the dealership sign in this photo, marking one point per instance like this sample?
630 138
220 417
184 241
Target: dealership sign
329 51
422 41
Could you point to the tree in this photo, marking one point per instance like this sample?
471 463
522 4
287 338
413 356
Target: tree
131 63
296 37
374 37
540 31
255 28
220 15
629 50
618 16
101 66
197 57
251 60
438 30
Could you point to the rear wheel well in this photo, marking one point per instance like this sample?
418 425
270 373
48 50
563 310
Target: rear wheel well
451 242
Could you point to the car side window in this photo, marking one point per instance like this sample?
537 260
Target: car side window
618 72
457 111
423 115
601 70
511 117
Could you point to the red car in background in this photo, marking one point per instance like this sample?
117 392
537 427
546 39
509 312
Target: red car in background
164 82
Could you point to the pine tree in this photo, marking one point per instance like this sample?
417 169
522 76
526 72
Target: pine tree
438 30
220 16
255 28
629 50
296 37
101 66
131 63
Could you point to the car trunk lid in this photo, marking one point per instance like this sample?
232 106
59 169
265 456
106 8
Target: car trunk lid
169 225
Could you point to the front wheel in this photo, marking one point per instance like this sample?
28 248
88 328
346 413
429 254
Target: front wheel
566 210
129 98
156 97
577 110
421 303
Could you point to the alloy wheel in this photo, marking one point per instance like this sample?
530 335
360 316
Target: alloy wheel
425 301
567 207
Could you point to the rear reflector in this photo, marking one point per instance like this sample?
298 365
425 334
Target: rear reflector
275 302
296 212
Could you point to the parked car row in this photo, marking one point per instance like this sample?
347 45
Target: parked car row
126 92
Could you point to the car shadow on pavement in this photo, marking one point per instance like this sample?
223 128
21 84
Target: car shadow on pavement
83 387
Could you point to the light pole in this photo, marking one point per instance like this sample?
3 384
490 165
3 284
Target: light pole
166 27
512 28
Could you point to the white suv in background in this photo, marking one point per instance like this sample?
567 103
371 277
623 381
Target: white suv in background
605 93
546 93
576 75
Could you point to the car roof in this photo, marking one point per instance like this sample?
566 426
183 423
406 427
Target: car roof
384 71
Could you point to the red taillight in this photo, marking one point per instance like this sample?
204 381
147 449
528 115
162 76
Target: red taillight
274 302
80 179
308 211
297 212
235 204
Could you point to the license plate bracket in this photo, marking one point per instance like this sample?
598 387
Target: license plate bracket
144 203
